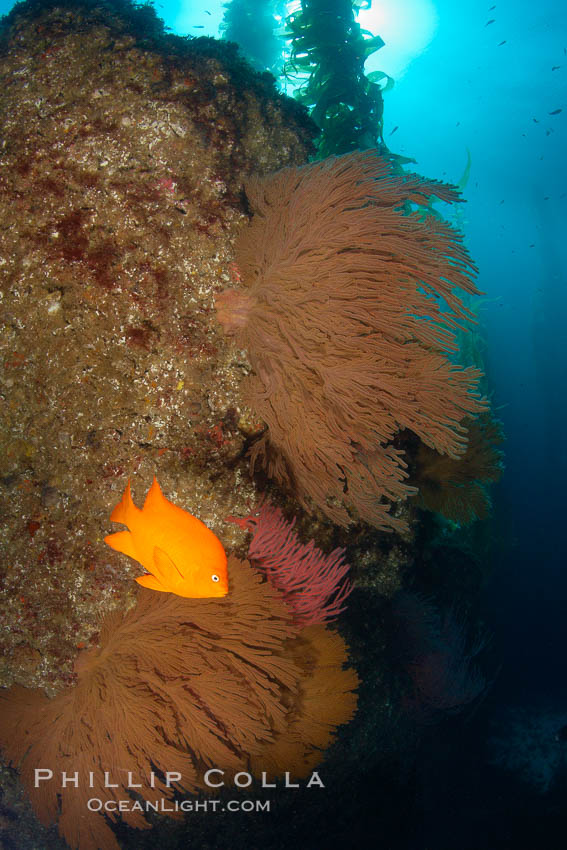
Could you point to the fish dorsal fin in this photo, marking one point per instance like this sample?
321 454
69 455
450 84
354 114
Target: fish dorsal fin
155 500
165 570
125 509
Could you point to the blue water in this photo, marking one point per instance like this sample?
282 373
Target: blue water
468 91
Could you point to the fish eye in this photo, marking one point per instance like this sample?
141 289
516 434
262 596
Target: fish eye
215 577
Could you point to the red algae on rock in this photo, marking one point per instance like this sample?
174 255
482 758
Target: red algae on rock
123 155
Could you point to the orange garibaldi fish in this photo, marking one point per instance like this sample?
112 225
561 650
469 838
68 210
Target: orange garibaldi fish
180 553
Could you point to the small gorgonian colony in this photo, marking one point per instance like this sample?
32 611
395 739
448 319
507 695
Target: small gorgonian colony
458 488
313 584
347 314
439 656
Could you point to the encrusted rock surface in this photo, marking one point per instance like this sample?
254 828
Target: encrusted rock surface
122 155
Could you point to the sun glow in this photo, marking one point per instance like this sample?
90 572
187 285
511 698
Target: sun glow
407 27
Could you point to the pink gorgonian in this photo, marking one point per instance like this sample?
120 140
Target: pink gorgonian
313 584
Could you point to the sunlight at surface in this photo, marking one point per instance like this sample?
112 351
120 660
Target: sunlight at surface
407 27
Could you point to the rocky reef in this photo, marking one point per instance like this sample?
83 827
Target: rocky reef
123 152
123 156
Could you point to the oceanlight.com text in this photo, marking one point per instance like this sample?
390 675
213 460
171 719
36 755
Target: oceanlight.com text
95 804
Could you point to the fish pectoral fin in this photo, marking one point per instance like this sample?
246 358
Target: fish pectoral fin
123 542
151 583
165 569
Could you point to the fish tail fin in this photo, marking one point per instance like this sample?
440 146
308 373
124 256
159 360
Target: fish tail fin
125 509
123 542
152 583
